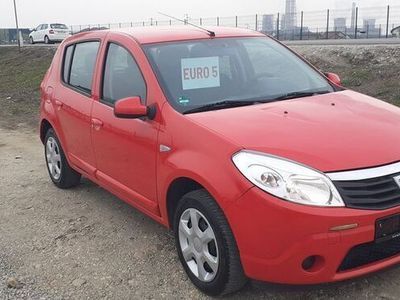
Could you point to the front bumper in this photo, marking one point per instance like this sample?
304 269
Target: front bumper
275 237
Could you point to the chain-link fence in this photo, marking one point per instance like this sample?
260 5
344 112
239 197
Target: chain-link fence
356 22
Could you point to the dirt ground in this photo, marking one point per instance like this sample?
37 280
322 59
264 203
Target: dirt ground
85 243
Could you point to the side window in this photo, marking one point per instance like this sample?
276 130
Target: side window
122 77
82 63
39 27
67 63
45 26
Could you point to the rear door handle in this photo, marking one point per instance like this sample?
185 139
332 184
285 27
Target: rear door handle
58 103
97 124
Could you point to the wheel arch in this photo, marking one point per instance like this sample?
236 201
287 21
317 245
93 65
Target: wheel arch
176 190
45 125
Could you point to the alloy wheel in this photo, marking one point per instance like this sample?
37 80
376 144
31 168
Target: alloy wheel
53 158
198 245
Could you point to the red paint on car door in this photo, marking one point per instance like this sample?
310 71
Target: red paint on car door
125 149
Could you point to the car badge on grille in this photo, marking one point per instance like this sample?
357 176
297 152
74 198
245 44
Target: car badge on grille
397 180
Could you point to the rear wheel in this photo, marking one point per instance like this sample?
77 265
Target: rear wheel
46 40
60 172
206 246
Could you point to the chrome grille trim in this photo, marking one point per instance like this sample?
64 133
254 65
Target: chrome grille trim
367 173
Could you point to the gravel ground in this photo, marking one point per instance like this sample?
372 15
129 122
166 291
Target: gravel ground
85 243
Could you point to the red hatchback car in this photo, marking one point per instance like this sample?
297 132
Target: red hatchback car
264 167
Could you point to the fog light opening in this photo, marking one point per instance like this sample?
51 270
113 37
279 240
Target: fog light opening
313 263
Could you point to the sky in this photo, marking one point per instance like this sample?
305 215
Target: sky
74 12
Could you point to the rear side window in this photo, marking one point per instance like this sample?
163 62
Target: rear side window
67 63
122 77
79 64
45 26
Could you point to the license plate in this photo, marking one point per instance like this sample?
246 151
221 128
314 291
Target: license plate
387 228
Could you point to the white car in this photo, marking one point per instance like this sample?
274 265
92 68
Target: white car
49 33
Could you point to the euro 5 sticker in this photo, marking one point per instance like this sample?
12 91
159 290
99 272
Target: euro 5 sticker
200 73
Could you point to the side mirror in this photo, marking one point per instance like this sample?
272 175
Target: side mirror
334 78
130 108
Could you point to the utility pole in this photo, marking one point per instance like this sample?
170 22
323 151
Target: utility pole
16 23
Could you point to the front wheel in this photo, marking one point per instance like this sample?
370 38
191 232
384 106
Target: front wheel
206 246
60 172
31 41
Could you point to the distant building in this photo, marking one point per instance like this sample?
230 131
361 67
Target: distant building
289 20
340 24
9 35
369 24
268 23
353 15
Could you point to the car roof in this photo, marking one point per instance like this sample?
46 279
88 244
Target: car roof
162 34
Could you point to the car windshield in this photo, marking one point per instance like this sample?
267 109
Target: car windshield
58 26
194 74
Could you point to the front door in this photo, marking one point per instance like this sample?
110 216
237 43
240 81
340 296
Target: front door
125 149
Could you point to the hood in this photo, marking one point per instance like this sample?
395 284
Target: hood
332 132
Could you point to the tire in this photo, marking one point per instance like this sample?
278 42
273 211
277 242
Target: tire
224 274
63 176
31 41
46 40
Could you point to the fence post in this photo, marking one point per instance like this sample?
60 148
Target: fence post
236 21
387 21
277 26
356 29
256 22
327 24
301 27
131 24
201 22
217 21
367 30
170 22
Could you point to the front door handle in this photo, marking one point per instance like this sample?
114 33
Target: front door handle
96 124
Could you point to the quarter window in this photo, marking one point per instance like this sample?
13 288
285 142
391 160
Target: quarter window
122 77
67 63
79 63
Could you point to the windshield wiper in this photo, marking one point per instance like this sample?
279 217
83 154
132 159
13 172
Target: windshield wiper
295 95
236 103
220 105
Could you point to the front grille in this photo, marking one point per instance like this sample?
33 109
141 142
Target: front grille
365 254
375 193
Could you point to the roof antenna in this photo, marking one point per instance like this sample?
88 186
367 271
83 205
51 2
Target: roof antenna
211 33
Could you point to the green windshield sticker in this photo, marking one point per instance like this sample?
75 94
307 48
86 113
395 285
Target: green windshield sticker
183 100
200 73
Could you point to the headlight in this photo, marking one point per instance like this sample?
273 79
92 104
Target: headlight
287 179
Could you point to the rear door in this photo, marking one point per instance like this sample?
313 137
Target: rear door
74 100
125 149
42 32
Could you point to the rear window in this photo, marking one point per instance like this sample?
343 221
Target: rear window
58 26
79 64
